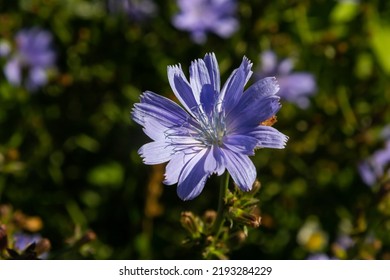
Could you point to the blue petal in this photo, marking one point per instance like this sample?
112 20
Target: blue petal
241 168
264 87
175 166
213 68
240 144
202 86
156 152
214 162
199 76
269 137
157 114
208 97
193 177
250 115
154 129
170 109
257 104
234 86
181 88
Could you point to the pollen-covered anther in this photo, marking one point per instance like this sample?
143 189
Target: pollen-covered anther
269 122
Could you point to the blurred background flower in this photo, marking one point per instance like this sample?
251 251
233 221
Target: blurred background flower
295 87
32 58
202 16
375 168
137 10
5 48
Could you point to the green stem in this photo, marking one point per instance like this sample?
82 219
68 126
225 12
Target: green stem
221 204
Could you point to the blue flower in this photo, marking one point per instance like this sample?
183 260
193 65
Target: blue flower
34 55
201 16
375 167
137 10
295 87
218 128
22 240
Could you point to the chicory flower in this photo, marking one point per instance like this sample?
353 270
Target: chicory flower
217 129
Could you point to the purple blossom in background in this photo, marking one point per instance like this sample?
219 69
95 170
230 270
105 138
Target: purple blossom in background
33 55
218 128
295 87
137 10
318 256
202 16
376 166
345 242
5 48
23 240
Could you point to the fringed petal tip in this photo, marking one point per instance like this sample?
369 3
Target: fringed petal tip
284 141
210 55
247 62
275 82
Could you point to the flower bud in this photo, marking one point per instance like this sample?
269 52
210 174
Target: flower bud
251 219
209 217
89 236
237 239
42 246
256 187
191 223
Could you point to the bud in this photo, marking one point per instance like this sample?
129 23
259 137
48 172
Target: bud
251 219
237 239
191 223
42 246
209 217
256 187
3 238
89 236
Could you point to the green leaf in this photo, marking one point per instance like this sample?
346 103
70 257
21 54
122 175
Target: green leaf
109 174
344 11
380 42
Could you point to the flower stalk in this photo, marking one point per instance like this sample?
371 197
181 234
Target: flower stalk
224 185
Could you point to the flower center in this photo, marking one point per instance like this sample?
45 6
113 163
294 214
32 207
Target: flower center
212 127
